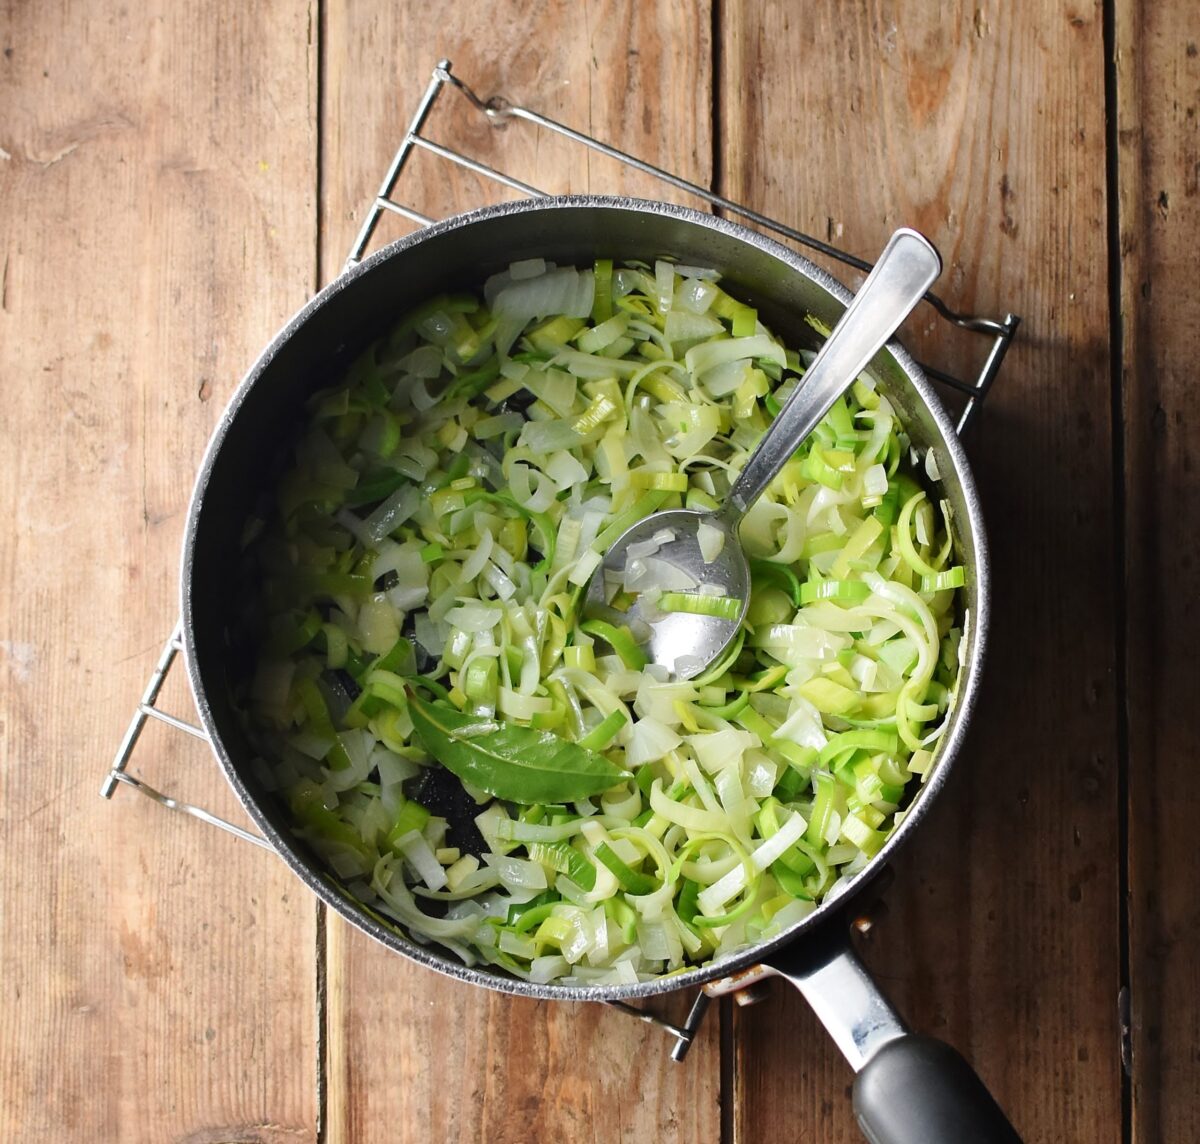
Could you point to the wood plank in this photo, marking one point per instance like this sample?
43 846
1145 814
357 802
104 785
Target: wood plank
158 973
985 129
413 1056
1158 101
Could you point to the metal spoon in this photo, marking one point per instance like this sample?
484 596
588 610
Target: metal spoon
686 643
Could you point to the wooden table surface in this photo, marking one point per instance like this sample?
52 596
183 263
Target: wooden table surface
177 178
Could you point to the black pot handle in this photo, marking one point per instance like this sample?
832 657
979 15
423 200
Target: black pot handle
910 1089
918 1088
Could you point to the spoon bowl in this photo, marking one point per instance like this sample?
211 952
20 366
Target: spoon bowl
685 643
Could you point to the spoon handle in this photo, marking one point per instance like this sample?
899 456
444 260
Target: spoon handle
907 268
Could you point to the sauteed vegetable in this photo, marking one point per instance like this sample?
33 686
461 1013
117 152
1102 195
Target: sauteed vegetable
476 761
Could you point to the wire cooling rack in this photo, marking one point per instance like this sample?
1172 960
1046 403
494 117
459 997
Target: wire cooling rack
998 334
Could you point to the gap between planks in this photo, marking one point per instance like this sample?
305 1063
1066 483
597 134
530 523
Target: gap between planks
1116 349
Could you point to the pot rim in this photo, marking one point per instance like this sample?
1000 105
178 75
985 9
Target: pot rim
830 908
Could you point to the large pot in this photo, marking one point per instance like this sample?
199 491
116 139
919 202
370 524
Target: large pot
909 1087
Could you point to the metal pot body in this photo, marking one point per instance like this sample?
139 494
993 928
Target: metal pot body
313 351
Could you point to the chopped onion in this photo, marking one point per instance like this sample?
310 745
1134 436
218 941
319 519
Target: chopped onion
711 540
447 506
649 740
641 548
584 567
652 573
548 436
875 481
527 268
695 296
474 616
565 471
517 873
422 858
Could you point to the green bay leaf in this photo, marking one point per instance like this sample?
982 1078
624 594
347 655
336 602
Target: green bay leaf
508 761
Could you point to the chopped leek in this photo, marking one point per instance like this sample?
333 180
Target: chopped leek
443 723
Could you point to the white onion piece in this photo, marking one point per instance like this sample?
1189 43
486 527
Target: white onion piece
420 396
393 768
310 744
355 526
834 829
791 642
424 361
875 482
703 272
357 745
652 937
423 458
626 279
438 327
723 379
682 325
412 573
581 937
705 356
599 953
474 563
548 968
649 740
656 698
488 427
346 863
421 857
555 387
565 291
406 597
795 911
589 527
495 284
500 583
803 725
584 567
651 573
543 496
429 634
720 749
548 436
377 625
474 616
762 773
565 471
527 268
392 513
639 549
695 296
921 519
517 873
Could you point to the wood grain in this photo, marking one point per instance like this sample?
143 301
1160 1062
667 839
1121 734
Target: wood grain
1158 100
1003 937
412 1056
158 974
160 168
